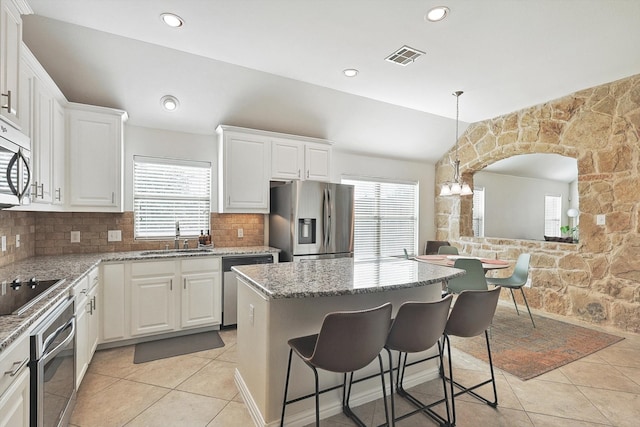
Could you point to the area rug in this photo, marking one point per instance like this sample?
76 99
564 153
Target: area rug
521 350
170 347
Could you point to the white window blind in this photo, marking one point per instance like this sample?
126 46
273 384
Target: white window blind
386 218
478 211
169 190
552 215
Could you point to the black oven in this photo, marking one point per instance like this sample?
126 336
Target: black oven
52 365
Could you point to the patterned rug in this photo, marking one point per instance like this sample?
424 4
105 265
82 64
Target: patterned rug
521 350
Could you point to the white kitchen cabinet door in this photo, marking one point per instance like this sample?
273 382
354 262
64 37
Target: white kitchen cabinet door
58 178
201 300
42 145
152 305
113 304
10 42
245 169
14 403
287 159
95 156
82 344
317 162
93 322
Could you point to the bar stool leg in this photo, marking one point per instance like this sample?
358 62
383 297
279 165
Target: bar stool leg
286 388
393 406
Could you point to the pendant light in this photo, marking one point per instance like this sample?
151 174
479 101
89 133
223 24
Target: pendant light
457 186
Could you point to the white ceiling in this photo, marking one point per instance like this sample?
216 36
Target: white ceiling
277 64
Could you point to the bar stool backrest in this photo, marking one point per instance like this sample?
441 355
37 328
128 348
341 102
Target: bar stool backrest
447 250
472 312
350 340
418 325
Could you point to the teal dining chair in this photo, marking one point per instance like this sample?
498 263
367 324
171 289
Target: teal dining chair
516 281
474 280
447 250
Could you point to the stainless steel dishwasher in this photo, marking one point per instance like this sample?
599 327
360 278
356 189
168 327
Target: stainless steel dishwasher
230 284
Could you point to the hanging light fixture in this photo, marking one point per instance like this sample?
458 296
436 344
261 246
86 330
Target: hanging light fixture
457 186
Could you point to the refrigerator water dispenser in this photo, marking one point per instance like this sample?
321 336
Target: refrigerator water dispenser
306 231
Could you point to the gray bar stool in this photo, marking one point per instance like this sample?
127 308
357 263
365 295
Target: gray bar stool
417 327
348 341
471 315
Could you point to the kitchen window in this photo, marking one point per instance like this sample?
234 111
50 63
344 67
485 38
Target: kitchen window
386 218
170 190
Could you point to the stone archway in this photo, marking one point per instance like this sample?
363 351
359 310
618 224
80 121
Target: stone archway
599 279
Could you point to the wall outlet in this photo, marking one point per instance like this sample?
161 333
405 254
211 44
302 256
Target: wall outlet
17 241
240 233
75 237
4 288
4 243
251 314
528 284
114 235
600 219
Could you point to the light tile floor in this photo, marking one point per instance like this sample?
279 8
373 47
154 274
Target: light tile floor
602 389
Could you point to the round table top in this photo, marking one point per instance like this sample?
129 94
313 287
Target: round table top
449 260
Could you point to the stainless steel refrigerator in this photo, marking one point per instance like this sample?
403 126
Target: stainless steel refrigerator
311 220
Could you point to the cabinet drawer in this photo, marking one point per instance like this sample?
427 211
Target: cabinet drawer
13 361
200 264
152 268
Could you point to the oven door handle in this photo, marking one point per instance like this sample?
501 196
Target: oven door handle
51 354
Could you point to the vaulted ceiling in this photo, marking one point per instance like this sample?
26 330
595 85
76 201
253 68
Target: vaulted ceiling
277 64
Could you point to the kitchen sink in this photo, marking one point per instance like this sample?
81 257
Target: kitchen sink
175 251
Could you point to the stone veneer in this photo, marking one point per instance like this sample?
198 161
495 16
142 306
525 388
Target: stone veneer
49 233
597 280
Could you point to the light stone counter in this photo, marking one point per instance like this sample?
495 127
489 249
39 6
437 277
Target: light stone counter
277 302
75 267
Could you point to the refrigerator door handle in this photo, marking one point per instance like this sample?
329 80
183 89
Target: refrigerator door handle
327 219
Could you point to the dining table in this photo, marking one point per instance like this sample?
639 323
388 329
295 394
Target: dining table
488 264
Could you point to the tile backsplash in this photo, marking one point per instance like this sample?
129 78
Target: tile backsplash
49 233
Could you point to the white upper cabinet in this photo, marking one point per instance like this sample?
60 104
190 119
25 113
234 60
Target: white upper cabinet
95 144
10 45
296 158
244 168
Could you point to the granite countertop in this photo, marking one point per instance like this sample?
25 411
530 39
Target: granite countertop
341 276
73 268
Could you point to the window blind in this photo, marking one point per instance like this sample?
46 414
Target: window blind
552 215
386 218
478 211
168 190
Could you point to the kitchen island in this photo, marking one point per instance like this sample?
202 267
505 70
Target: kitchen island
277 302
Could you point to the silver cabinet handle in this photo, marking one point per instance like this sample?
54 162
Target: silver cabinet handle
8 106
41 191
58 194
18 365
171 285
88 307
93 304
113 197
298 173
307 174
185 283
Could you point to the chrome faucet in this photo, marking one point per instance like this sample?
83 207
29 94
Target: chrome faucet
176 242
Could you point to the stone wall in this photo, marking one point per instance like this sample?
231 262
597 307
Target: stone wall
598 279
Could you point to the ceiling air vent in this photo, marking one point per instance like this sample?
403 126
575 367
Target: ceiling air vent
404 56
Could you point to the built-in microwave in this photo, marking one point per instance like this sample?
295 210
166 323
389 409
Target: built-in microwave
15 172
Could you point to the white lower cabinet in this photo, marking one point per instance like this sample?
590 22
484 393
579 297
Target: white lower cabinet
142 298
152 297
87 322
14 384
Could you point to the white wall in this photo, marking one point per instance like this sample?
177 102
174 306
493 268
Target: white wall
161 143
514 206
346 165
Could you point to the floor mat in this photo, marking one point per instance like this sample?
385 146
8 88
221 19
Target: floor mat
169 347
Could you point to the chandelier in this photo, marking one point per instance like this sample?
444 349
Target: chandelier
457 186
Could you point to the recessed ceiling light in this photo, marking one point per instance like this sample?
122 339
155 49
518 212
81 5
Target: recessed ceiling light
169 102
172 20
436 14
350 72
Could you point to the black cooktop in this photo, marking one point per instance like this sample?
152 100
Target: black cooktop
20 296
